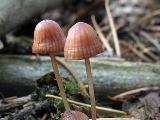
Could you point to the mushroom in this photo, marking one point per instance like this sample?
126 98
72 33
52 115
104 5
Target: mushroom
74 115
82 42
49 38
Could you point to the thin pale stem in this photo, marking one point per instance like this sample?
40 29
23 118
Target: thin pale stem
91 89
59 82
75 76
113 29
101 35
87 105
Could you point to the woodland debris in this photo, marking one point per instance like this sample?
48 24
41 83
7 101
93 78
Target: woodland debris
144 107
14 103
114 77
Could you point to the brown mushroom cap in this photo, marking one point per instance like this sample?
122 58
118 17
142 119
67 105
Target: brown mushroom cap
48 37
82 42
74 115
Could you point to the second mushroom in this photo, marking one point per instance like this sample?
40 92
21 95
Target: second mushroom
82 43
49 38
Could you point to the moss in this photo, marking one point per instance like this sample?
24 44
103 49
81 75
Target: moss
40 92
48 85
71 87
31 117
59 108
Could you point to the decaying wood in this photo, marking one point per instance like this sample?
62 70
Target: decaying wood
27 110
14 13
145 107
19 73
30 106
14 103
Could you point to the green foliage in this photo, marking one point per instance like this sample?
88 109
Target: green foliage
59 107
31 117
70 86
48 85
40 92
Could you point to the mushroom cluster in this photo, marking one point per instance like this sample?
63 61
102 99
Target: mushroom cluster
82 42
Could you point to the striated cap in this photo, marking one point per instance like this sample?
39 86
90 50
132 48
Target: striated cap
48 37
82 42
74 115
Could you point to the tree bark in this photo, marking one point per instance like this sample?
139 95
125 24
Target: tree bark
19 73
14 13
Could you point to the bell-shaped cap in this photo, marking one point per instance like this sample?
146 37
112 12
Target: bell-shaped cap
48 37
74 115
82 42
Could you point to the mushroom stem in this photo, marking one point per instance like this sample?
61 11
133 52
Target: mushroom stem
91 89
59 82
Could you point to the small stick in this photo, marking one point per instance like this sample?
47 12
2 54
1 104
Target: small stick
14 103
136 52
59 82
52 116
121 96
44 116
75 76
113 29
143 48
101 35
152 28
87 105
3 98
150 39
91 88
144 19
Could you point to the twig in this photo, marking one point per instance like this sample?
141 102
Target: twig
102 37
147 51
26 111
3 97
143 48
108 37
11 98
111 59
87 105
144 19
121 96
150 39
135 51
14 103
44 116
52 116
75 76
114 33
152 28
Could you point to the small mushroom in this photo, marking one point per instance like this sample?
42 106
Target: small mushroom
74 115
49 38
82 42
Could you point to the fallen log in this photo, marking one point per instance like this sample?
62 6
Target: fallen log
19 73
14 13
